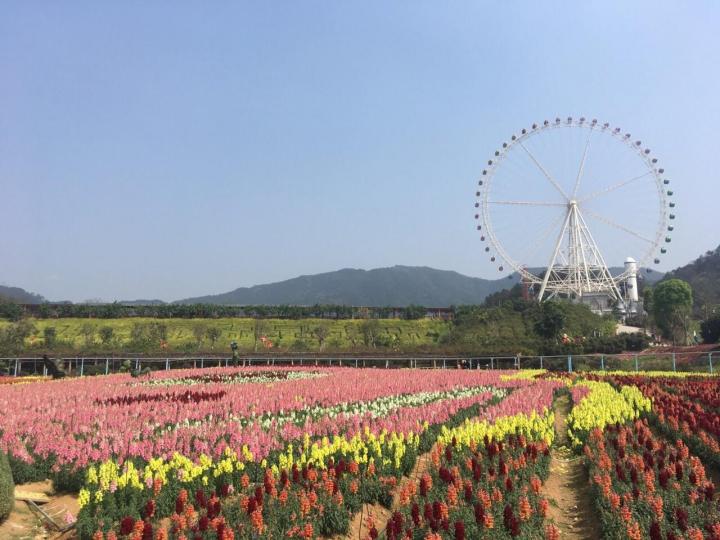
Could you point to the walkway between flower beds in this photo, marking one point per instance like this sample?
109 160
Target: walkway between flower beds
567 486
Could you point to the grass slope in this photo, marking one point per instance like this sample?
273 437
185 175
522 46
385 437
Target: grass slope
286 335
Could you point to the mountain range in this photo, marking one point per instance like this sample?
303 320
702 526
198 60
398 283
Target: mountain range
395 286
401 286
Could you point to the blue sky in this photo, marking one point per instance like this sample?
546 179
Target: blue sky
170 149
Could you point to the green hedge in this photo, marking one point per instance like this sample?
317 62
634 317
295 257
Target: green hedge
7 488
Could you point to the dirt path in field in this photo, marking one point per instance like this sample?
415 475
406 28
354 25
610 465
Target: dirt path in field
378 514
567 487
26 524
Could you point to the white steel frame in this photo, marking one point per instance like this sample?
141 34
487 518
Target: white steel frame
579 269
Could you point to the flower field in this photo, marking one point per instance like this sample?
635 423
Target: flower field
228 453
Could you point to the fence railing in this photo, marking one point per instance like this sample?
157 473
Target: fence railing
705 362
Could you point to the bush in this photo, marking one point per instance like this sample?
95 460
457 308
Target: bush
7 488
710 329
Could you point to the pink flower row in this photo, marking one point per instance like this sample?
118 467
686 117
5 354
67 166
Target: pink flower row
77 421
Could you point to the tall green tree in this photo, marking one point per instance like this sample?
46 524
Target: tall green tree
213 334
321 332
710 329
50 336
551 320
671 306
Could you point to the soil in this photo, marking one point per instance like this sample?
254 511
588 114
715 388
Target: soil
567 488
24 523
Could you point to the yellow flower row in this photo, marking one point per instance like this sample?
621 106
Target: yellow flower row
389 448
602 406
678 374
534 427
523 374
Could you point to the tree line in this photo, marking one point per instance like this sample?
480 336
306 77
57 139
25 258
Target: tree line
13 311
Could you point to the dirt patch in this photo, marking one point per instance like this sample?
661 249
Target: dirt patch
24 523
567 486
378 514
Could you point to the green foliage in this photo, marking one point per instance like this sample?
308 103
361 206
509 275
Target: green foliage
321 332
88 332
50 336
551 320
672 303
10 310
370 330
703 275
710 329
413 312
7 488
516 325
12 336
106 334
213 333
140 336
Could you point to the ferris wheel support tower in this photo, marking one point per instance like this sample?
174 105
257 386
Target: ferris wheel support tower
584 270
576 268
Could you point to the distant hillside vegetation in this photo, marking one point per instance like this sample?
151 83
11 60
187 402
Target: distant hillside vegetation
703 275
397 286
21 296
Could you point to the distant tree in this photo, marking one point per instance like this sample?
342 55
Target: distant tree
50 336
414 312
260 327
352 334
157 331
199 332
551 320
88 332
370 330
12 337
213 334
10 310
106 334
710 329
138 333
671 304
321 333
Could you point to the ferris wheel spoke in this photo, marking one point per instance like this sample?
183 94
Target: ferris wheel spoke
582 166
614 187
544 171
617 225
540 241
527 203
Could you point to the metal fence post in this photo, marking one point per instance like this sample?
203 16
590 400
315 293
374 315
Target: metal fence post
167 364
602 362
17 361
82 366
673 360
710 362
636 363
107 366
202 361
569 363
541 362
444 365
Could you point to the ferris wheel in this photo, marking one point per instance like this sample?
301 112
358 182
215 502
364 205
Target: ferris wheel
579 198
